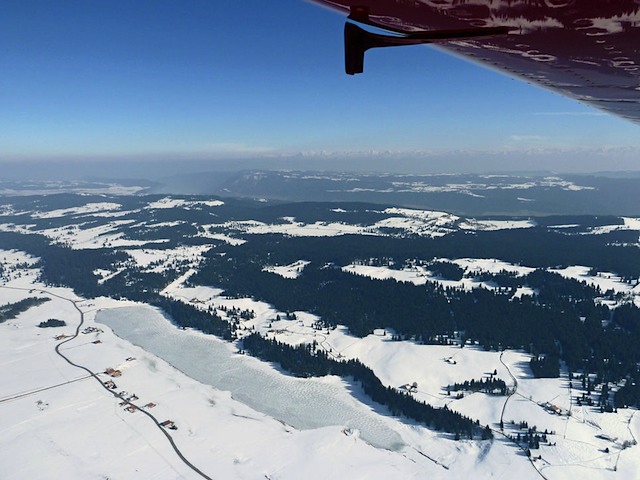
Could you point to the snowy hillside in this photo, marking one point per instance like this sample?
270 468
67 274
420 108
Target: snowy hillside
99 396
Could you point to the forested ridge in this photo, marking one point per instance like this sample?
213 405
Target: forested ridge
563 321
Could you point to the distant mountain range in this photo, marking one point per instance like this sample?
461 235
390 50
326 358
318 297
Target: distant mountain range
509 194
519 194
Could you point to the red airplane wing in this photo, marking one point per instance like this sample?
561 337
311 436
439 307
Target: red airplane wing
585 49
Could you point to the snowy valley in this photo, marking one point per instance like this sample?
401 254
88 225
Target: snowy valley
160 296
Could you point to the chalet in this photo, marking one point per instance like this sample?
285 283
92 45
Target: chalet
110 385
112 372
131 408
169 424
549 407
150 405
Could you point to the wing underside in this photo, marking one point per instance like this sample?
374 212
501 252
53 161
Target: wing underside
586 50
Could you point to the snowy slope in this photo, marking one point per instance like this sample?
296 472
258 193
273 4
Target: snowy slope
74 426
77 429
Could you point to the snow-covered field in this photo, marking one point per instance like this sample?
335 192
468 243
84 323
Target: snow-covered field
416 275
169 202
57 420
85 209
629 223
472 224
50 410
409 221
153 260
419 275
288 271
603 280
223 237
491 265
300 229
238 417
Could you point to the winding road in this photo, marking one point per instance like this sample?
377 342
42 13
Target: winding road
115 394
515 388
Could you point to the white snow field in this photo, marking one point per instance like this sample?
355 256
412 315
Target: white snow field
292 270
603 280
240 418
169 202
107 235
56 421
409 221
419 275
89 208
153 260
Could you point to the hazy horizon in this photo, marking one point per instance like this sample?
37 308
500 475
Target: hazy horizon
587 161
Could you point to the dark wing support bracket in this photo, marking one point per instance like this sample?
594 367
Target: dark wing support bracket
357 40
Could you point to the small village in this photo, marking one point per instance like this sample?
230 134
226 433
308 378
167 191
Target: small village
127 398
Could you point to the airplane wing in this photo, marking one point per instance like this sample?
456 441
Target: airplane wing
588 50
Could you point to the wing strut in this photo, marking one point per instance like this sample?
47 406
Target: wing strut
357 40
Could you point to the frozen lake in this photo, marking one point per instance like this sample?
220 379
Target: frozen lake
301 403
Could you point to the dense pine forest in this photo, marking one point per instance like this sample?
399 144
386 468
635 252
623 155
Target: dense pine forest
12 310
564 321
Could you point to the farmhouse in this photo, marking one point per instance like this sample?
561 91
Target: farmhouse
169 424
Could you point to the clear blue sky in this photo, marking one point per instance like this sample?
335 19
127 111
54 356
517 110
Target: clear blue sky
226 79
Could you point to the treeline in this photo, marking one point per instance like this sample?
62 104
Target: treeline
535 247
494 319
187 316
63 266
12 310
563 322
306 361
629 394
627 319
52 323
492 385
447 270
545 366
181 314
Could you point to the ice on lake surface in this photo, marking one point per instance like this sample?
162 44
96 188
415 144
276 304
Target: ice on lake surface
301 403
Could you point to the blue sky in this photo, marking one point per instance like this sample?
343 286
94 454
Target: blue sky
225 79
